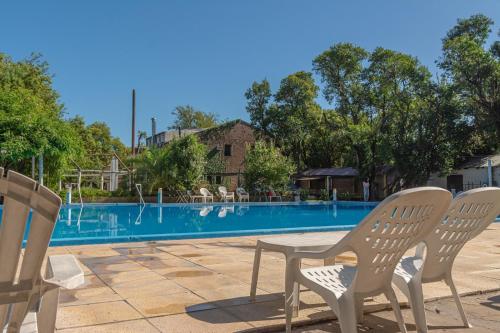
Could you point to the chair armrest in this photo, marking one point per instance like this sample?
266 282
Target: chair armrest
64 271
333 251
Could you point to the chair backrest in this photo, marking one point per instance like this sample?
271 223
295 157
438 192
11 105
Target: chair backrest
223 190
390 229
205 192
241 190
469 214
22 273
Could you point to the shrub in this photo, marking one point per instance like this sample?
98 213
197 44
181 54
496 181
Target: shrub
324 195
266 167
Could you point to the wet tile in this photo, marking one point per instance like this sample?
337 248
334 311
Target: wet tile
143 288
159 264
212 321
181 273
146 276
93 314
102 268
92 252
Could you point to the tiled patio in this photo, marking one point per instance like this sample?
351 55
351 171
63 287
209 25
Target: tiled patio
202 285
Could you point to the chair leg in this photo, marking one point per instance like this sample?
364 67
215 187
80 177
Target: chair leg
288 300
416 298
347 315
451 284
255 272
290 296
295 265
391 296
358 304
46 317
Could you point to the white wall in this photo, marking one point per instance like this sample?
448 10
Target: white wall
471 175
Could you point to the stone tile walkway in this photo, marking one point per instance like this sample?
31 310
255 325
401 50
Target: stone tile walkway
482 310
202 285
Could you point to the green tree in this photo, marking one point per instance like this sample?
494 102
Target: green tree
474 71
186 162
341 68
31 120
180 164
97 143
266 166
187 116
387 106
151 168
258 102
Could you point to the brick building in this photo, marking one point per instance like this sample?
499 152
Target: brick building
226 142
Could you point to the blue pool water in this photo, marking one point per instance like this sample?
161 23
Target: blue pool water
106 223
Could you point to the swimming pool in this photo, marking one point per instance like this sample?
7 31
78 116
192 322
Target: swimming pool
108 223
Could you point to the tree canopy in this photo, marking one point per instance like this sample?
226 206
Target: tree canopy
266 166
187 116
31 122
180 164
387 110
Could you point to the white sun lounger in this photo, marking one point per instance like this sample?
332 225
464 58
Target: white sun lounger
379 241
23 289
469 214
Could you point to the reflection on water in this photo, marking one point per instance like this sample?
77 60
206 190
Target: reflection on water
223 210
122 222
205 210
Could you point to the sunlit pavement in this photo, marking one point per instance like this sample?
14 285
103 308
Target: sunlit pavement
203 286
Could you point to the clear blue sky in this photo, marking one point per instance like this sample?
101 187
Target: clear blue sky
206 53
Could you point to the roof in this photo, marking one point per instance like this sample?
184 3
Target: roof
481 162
211 131
332 172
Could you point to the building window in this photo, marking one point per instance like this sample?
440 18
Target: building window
227 150
218 179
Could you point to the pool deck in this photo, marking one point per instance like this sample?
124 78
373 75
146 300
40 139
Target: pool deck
202 285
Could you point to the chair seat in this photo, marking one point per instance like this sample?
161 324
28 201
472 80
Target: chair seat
408 267
336 278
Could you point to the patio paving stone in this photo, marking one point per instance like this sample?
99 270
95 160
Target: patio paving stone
132 326
203 285
212 321
153 306
94 314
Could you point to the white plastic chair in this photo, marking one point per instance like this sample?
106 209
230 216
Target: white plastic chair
272 194
193 197
23 289
242 194
224 194
206 194
379 241
469 214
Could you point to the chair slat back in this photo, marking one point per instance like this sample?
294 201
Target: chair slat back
21 194
396 224
205 192
469 214
223 190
